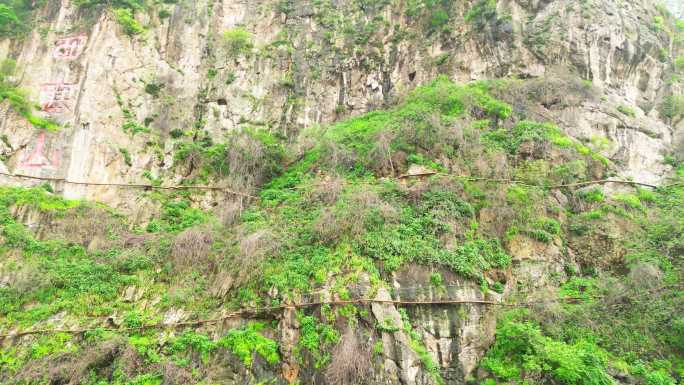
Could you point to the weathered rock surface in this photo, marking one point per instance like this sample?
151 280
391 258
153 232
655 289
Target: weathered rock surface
304 70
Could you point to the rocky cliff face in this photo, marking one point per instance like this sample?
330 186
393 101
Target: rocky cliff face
307 64
128 93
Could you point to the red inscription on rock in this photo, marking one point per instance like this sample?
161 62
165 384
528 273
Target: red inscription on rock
69 48
37 158
55 98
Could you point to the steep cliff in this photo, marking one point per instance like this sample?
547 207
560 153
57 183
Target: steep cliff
341 192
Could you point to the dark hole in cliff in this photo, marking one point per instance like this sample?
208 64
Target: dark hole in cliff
412 76
222 102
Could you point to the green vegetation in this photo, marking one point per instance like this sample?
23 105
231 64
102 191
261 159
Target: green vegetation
18 98
125 18
70 279
658 23
177 214
315 336
127 156
341 213
482 12
673 107
679 63
416 344
131 124
627 111
250 151
164 14
523 353
247 342
237 41
123 10
154 89
15 17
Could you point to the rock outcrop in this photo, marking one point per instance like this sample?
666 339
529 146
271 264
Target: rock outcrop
310 63
211 68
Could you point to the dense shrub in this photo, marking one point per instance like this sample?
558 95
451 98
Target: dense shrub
247 341
422 124
673 106
522 353
250 156
15 16
126 20
482 12
18 98
237 41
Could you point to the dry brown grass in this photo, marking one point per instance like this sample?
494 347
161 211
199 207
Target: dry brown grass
645 276
251 250
249 160
382 153
230 212
351 361
328 191
175 375
559 87
72 369
350 217
84 225
192 248
257 245
336 156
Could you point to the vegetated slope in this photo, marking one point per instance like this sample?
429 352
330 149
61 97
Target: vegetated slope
138 88
459 233
452 194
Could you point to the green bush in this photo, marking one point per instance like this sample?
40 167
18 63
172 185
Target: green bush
247 341
250 153
545 230
438 19
523 131
9 22
673 106
679 63
16 15
627 111
126 20
482 12
18 98
417 126
414 240
154 89
521 350
237 41
127 156
177 215
593 195
657 24
659 378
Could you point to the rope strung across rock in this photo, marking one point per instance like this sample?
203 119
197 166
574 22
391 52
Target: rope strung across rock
237 193
253 312
144 186
520 182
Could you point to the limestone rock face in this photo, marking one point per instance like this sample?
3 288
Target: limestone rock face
304 67
124 100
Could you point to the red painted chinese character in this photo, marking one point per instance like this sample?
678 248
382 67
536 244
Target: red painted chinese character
69 48
37 157
55 98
